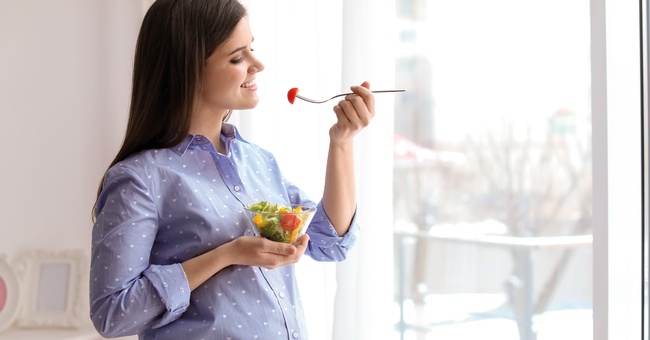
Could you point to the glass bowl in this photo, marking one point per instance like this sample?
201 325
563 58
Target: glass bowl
279 222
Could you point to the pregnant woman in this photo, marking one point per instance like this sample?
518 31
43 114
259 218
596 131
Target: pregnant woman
173 256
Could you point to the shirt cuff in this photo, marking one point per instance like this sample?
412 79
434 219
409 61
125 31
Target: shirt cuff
173 288
323 235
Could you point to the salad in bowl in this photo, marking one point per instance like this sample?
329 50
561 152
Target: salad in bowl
280 222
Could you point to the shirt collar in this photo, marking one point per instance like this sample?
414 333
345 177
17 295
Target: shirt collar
228 132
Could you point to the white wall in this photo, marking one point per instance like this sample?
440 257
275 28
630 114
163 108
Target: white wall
65 70
64 86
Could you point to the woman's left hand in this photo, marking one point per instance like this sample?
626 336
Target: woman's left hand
353 113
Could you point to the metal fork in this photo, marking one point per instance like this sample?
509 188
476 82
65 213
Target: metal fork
293 94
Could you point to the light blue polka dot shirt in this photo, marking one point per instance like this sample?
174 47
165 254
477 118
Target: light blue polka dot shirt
161 207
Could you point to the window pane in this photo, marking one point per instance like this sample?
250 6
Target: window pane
492 175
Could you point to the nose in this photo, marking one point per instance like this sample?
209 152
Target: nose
256 66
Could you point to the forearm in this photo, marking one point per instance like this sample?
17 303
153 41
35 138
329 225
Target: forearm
352 115
199 269
339 194
247 251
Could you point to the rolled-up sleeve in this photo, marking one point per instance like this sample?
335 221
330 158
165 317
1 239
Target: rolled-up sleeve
127 293
172 287
324 242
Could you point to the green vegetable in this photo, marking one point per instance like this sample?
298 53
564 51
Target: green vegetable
278 222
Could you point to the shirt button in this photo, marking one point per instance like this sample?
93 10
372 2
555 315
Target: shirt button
282 296
237 188
295 335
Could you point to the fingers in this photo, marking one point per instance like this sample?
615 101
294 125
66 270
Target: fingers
291 255
282 248
261 252
361 94
303 241
363 107
368 97
362 90
357 109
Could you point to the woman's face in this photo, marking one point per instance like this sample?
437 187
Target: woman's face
229 76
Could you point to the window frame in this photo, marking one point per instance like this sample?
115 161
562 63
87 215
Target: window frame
618 178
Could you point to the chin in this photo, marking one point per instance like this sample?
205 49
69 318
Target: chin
251 105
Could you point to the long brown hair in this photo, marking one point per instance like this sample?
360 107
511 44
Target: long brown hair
175 40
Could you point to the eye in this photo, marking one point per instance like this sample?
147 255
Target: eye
241 58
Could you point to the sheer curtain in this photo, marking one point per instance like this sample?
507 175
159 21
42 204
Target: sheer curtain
322 48
364 297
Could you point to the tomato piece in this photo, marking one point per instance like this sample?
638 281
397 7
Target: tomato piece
291 95
290 222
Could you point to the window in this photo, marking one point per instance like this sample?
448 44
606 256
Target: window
493 171
530 80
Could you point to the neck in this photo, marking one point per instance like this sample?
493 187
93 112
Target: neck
208 122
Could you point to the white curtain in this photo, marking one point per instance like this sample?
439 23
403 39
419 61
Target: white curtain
323 47
363 305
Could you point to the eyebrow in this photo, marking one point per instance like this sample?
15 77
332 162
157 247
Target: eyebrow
241 48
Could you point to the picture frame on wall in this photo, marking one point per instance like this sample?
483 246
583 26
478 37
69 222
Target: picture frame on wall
9 295
53 294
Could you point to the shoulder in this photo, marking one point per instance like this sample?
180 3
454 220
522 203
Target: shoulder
143 163
140 160
249 148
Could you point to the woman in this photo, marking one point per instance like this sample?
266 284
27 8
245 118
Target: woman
173 256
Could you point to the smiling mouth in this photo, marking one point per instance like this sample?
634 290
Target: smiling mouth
249 84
